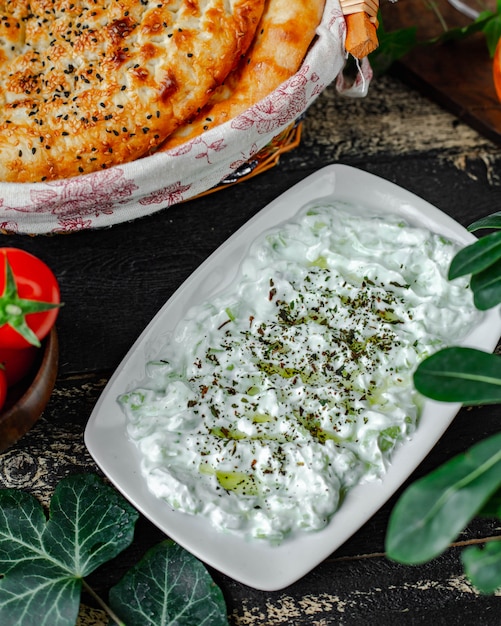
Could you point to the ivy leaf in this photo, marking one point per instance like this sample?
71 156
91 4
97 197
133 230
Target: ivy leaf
433 510
168 586
42 562
22 521
476 257
460 374
39 593
486 286
490 221
483 566
94 520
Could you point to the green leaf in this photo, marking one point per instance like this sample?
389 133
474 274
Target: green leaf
432 511
486 286
477 256
168 586
492 508
95 521
460 374
490 221
481 23
392 46
42 562
39 593
22 522
483 566
492 32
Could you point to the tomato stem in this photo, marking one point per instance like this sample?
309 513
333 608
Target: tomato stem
13 309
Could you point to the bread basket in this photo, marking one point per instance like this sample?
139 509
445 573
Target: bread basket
142 187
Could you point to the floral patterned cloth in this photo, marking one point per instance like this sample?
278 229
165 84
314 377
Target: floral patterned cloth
139 188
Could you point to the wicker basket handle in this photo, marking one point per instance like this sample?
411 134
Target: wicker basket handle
361 25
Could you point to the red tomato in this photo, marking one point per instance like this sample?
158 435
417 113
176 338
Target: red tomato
29 299
496 69
3 388
17 363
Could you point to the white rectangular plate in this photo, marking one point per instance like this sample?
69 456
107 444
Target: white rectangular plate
256 563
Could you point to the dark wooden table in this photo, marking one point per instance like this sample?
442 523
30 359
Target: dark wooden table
114 280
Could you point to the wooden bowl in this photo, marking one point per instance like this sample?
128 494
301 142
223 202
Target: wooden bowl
27 399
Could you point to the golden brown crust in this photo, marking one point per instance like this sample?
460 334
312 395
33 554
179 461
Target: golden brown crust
283 36
87 84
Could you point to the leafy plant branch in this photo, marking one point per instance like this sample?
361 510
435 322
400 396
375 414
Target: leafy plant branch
435 509
395 44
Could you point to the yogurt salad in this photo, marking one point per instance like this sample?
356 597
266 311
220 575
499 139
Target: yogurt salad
293 385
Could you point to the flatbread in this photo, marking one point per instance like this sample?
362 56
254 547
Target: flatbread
87 84
286 30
